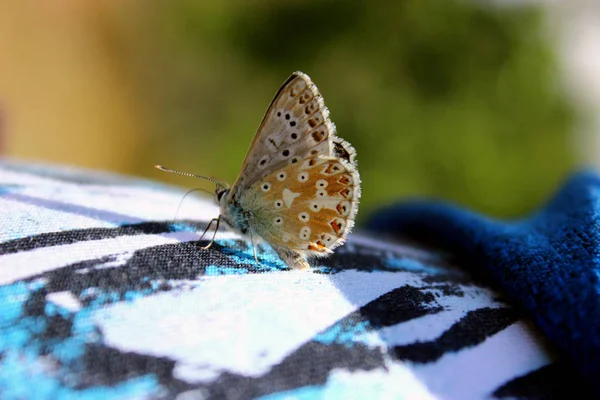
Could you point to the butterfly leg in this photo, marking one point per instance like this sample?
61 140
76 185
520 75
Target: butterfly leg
292 258
207 227
254 250
214 234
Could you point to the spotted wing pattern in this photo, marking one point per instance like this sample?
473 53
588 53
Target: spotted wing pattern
295 126
308 207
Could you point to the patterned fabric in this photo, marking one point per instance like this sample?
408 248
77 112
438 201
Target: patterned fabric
103 296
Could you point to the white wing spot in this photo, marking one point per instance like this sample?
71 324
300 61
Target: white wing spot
327 238
305 233
281 176
289 196
278 221
266 187
278 204
321 193
321 184
303 216
303 176
286 237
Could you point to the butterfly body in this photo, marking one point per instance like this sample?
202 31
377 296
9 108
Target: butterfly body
299 187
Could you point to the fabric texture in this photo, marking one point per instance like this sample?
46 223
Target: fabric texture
548 263
104 296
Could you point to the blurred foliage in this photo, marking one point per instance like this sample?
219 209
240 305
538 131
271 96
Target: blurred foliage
448 99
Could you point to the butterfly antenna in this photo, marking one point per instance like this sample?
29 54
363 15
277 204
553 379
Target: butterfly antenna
213 180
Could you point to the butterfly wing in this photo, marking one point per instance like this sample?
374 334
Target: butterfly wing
295 126
305 209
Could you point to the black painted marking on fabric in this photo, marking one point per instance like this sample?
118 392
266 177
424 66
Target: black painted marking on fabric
556 381
469 331
56 326
105 366
82 235
178 261
397 306
309 365
35 305
99 365
365 258
447 289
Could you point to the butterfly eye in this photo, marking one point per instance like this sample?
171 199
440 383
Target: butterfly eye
220 195
266 187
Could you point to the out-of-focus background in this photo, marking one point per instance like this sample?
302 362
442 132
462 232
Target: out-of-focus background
488 104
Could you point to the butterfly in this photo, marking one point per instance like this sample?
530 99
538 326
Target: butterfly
299 187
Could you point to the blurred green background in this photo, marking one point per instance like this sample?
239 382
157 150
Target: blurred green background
450 99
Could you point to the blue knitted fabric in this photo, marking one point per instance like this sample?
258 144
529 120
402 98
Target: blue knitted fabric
549 262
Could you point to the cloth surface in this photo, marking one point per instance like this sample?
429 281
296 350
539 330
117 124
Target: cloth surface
103 296
548 263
